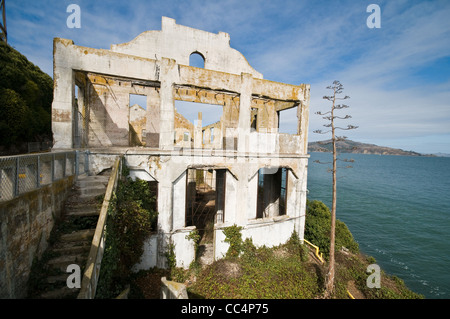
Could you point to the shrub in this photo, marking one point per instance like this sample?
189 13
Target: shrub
233 236
131 218
318 227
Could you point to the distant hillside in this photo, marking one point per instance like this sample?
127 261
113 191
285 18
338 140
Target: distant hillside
349 146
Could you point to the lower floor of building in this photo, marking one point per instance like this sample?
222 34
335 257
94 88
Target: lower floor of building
207 192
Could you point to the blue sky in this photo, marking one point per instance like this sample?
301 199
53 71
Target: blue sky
398 76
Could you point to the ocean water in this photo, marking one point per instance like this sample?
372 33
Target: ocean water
398 210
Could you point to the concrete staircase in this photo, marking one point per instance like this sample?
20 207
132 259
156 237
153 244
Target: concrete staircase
70 240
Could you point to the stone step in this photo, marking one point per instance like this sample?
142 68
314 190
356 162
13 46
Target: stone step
83 210
91 178
57 279
77 199
60 293
92 191
80 185
99 179
74 247
81 235
62 262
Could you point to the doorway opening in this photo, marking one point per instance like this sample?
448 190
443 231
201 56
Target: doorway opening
272 192
205 200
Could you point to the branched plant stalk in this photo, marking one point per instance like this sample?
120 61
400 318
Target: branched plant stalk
337 88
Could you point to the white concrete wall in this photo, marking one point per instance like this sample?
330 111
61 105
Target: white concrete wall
149 257
269 232
184 248
178 42
179 202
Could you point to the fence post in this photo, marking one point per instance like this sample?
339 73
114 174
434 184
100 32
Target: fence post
65 165
53 167
86 162
38 171
16 178
77 162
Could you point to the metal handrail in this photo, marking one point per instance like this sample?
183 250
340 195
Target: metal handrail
319 256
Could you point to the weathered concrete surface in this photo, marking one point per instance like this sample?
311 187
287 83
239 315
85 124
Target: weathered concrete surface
156 64
25 226
177 42
172 290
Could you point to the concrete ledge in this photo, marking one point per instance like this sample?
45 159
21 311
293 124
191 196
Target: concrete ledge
172 290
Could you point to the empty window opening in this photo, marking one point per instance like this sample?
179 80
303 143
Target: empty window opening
196 59
186 136
205 199
272 192
138 99
137 119
287 121
254 119
201 120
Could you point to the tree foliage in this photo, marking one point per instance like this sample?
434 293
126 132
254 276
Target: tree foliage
26 95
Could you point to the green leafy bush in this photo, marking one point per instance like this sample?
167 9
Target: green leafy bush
233 236
258 273
318 227
132 216
15 117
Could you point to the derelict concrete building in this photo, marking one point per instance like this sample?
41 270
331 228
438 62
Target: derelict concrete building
238 170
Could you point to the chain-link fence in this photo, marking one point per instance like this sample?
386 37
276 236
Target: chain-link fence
24 173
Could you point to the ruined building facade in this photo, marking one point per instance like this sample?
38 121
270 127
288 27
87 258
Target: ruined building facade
238 170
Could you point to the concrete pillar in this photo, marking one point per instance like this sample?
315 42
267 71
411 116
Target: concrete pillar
198 134
164 219
168 76
62 108
179 202
153 115
303 118
300 204
244 111
242 195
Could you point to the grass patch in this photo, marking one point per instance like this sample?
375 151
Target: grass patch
258 273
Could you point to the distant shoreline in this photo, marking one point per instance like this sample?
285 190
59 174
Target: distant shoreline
352 147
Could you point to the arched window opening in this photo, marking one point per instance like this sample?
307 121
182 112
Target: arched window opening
196 59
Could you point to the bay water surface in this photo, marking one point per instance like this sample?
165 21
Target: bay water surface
398 210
